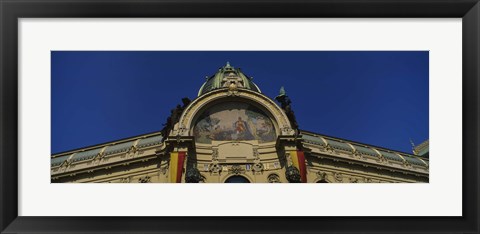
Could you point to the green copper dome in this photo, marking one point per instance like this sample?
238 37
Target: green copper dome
225 76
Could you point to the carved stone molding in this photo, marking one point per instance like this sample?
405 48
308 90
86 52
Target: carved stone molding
321 175
273 178
338 177
215 154
214 167
383 160
329 148
233 90
358 155
144 179
125 180
63 167
258 167
163 170
132 151
256 155
236 170
97 159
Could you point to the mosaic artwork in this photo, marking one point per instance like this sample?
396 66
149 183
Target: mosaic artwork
233 121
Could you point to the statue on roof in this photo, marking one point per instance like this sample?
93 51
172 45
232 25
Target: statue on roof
186 101
282 92
286 105
175 114
167 126
174 117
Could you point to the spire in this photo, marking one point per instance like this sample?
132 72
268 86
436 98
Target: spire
228 64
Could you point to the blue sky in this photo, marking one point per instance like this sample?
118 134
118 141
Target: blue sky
377 98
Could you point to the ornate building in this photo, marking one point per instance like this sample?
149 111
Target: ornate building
232 133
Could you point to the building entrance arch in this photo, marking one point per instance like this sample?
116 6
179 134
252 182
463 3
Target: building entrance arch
237 179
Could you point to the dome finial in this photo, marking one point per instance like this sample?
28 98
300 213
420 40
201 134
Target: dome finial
225 76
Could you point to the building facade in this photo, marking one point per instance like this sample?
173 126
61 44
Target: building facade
232 133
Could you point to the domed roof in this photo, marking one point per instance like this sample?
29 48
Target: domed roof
225 76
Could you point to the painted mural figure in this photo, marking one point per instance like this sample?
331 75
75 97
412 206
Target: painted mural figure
234 121
264 130
242 132
240 126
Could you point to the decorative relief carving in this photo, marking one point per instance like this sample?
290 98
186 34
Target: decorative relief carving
329 148
145 179
215 154
163 170
257 167
236 170
321 175
256 155
215 168
181 131
286 130
125 180
65 165
232 90
97 158
383 160
338 177
132 150
288 159
273 178
357 155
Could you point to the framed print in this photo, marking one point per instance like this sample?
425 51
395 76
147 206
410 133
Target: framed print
239 134
124 116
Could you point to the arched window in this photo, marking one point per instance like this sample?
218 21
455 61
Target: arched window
322 181
237 179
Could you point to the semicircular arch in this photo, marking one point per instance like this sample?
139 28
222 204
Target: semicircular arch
196 108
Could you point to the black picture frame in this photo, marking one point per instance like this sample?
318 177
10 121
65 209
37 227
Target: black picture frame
11 11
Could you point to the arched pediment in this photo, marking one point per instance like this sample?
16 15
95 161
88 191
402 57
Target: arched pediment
245 101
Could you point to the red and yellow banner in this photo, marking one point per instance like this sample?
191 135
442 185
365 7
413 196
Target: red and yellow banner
176 166
298 160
